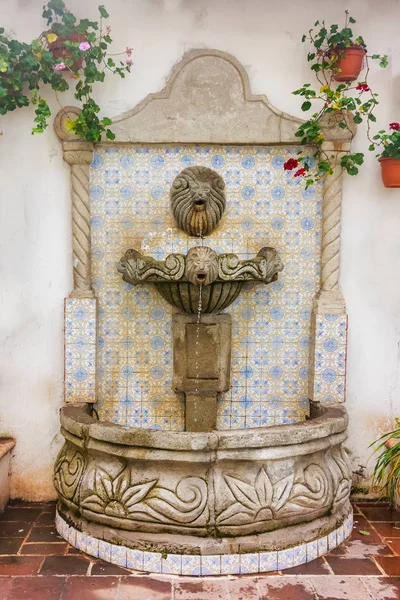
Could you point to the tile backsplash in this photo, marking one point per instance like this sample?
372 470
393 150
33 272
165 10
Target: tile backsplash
266 206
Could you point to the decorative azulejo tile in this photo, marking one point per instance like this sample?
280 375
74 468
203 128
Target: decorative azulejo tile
118 555
230 564
286 558
312 550
268 561
152 562
249 563
172 564
129 190
299 555
196 565
211 565
191 565
104 550
134 559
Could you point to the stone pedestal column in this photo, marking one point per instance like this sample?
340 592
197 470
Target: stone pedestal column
81 305
328 346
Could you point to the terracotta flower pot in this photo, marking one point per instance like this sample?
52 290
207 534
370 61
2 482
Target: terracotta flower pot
59 50
350 63
390 172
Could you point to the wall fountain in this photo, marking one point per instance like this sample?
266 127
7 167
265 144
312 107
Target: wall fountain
204 423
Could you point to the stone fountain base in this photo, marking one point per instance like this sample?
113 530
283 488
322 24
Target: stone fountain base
250 500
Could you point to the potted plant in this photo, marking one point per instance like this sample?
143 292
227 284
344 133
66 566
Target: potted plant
81 56
389 156
387 468
334 50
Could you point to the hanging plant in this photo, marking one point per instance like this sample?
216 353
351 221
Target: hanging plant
70 50
334 60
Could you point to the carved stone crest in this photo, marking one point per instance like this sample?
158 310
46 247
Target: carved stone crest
198 200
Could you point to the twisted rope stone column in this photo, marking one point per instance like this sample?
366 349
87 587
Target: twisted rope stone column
79 156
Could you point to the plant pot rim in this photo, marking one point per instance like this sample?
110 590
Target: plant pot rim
384 158
352 47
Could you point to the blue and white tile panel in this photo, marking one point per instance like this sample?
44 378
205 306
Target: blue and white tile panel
80 349
266 206
196 565
327 381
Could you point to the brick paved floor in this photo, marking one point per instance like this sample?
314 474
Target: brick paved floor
36 564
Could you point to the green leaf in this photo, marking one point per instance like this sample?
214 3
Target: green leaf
364 532
342 125
357 118
103 12
372 117
351 20
306 106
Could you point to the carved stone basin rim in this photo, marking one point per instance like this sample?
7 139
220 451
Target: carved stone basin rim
202 279
212 487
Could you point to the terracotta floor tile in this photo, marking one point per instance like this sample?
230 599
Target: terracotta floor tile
360 522
342 565
44 534
5 587
204 589
101 567
377 513
14 529
72 550
318 566
64 565
286 588
44 549
22 515
243 589
91 588
390 564
391 530
36 588
383 588
10 545
150 588
372 538
340 588
393 543
20 565
46 518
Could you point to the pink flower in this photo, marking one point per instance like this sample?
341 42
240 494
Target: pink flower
362 87
108 30
84 46
394 126
128 51
300 173
129 62
60 67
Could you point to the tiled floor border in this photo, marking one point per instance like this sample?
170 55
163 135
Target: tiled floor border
196 565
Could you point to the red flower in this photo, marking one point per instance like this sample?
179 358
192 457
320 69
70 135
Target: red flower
291 164
300 173
394 126
363 87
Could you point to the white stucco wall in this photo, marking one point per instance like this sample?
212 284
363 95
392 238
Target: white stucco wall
35 229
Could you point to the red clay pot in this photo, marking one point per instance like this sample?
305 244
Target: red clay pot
350 63
59 50
390 172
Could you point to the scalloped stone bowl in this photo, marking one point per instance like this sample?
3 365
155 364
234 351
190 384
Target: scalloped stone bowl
218 493
186 296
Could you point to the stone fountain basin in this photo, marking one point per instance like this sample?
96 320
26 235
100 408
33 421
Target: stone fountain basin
186 296
203 493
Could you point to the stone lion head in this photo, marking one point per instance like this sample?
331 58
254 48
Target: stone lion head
198 200
201 265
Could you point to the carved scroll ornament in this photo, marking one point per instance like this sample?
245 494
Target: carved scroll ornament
198 200
200 266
